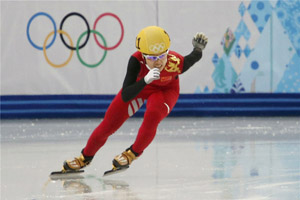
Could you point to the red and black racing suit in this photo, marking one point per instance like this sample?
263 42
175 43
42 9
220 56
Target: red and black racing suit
161 96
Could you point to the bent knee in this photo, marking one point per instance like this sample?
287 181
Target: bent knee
158 112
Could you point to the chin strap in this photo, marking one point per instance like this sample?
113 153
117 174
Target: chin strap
148 67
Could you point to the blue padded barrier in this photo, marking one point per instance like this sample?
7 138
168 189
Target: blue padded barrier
83 106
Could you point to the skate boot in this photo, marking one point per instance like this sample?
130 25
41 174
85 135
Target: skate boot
124 159
121 162
78 163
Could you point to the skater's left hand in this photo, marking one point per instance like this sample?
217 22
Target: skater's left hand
199 41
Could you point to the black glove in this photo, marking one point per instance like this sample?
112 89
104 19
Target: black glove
199 41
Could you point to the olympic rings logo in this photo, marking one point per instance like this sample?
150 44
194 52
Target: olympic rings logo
71 46
158 47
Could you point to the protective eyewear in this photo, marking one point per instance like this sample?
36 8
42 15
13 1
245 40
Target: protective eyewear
154 58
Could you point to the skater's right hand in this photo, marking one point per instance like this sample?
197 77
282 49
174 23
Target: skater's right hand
153 74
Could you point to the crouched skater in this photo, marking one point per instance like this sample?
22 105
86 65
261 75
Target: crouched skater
153 75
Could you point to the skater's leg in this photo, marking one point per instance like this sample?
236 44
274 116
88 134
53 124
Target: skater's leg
159 105
115 116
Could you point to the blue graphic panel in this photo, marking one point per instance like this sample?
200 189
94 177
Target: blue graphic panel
291 78
224 75
260 12
288 13
273 63
247 51
242 30
242 9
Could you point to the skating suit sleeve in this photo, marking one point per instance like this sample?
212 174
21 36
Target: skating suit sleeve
191 59
131 87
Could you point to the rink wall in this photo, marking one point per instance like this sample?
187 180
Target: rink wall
250 66
188 105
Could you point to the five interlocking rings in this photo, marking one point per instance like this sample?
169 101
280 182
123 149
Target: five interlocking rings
77 47
157 48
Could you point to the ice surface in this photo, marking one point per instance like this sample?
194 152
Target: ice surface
190 158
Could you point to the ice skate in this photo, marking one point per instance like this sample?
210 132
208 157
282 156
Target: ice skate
72 167
77 163
122 161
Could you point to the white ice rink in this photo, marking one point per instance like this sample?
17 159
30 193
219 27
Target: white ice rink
190 159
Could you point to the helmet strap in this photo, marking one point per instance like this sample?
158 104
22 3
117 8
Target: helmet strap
146 63
147 66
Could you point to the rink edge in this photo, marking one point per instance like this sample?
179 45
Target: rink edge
188 105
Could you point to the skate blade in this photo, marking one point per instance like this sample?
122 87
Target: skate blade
115 171
59 175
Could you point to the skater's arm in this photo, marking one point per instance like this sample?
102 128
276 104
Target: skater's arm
199 42
191 59
131 88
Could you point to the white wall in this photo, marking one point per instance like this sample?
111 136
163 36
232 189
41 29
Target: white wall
24 69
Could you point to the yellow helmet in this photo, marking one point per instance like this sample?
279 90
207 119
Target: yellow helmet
152 40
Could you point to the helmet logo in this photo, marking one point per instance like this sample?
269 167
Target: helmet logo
157 48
